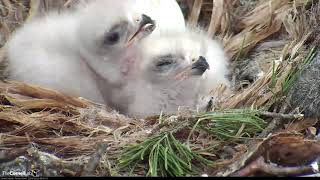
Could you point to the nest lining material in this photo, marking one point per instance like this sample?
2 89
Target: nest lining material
34 120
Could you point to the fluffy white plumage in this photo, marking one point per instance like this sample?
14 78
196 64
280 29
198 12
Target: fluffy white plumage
68 51
159 86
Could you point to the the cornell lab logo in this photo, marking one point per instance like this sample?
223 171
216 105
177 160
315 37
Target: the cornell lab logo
22 173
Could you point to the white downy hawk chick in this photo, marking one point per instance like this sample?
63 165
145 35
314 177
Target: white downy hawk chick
87 52
176 70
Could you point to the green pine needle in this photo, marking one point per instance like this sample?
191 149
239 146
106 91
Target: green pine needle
166 155
231 124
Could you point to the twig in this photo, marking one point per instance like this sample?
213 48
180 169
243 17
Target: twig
10 155
94 161
273 124
179 123
282 116
194 15
51 164
259 165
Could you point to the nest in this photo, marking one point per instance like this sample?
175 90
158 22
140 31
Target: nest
58 135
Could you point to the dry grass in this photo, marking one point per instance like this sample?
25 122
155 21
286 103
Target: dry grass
273 33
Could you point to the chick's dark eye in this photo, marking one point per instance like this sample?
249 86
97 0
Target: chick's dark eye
164 63
112 38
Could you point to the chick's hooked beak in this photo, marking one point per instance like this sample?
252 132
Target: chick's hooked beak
198 68
146 27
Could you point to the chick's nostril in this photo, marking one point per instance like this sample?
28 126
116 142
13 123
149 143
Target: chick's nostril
201 65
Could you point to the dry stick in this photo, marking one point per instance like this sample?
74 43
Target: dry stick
8 6
42 93
94 161
273 125
259 165
194 15
193 119
282 116
50 163
217 16
3 11
178 123
6 10
69 3
34 9
10 155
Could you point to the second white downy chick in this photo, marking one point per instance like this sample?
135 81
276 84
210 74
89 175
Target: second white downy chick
176 70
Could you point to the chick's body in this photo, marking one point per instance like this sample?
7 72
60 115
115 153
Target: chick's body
44 52
160 87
